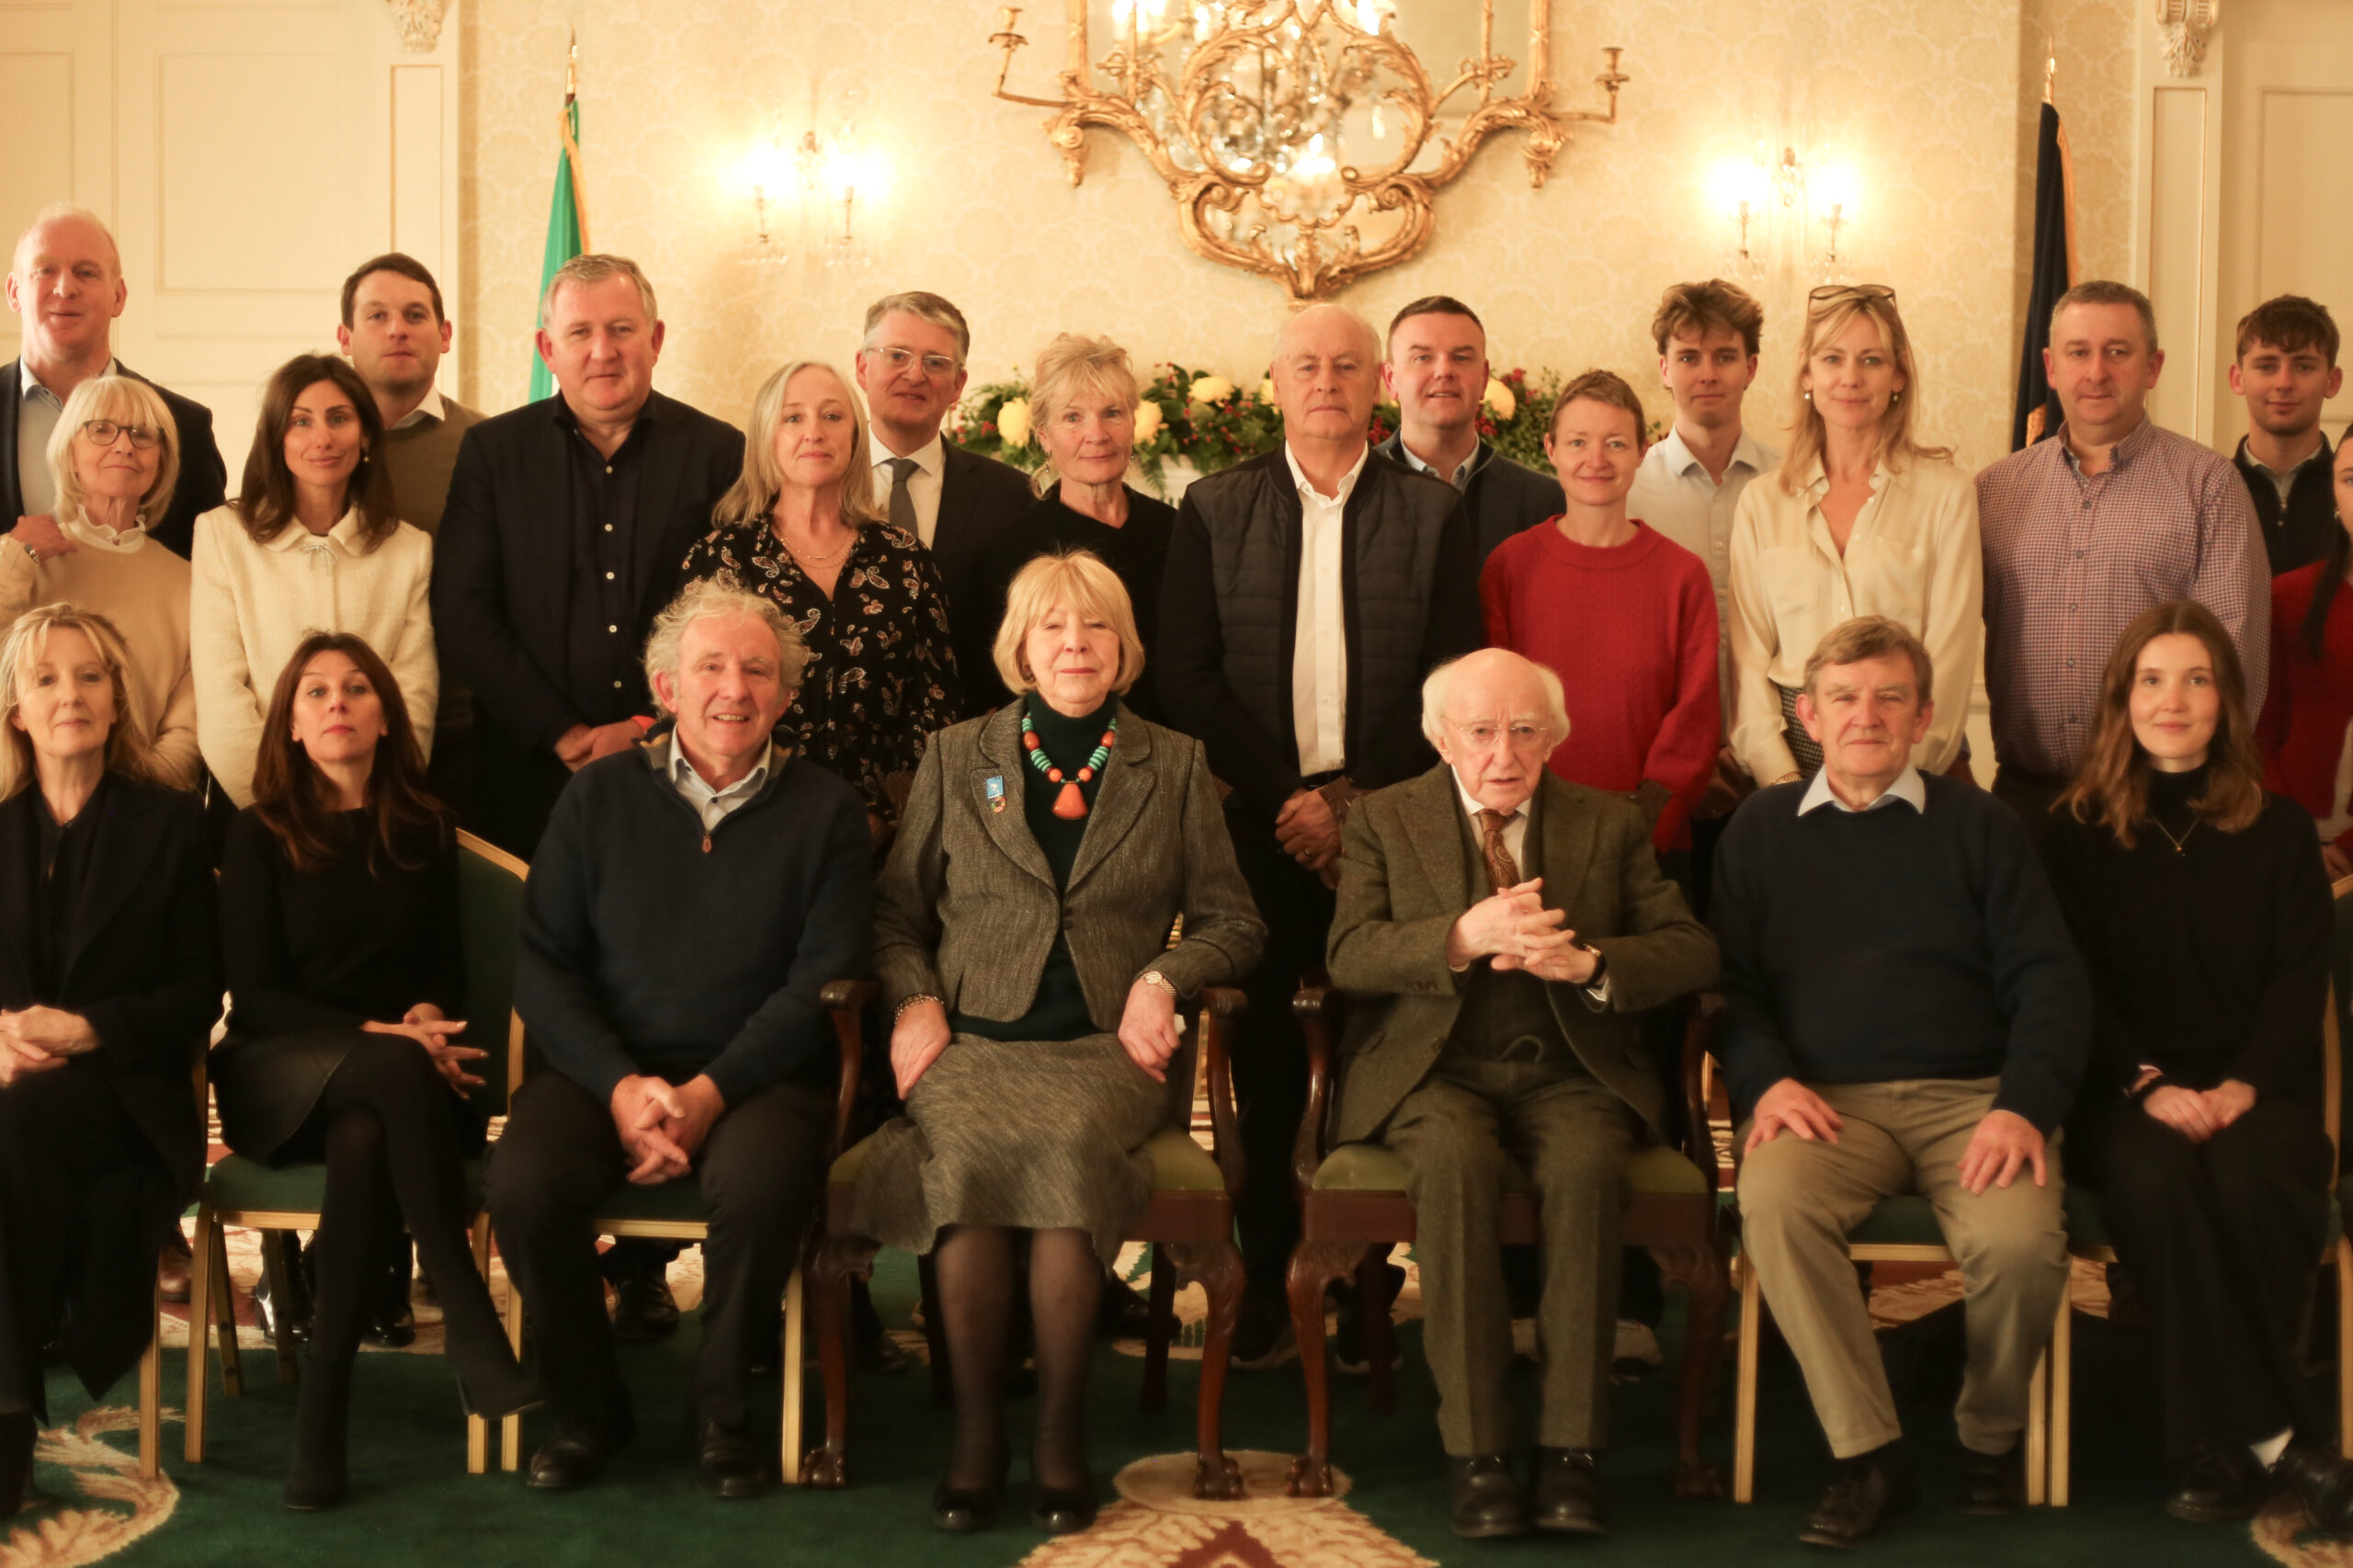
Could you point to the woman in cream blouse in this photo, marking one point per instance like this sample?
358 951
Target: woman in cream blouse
310 544
1860 520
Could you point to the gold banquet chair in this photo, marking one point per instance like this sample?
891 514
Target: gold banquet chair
247 1193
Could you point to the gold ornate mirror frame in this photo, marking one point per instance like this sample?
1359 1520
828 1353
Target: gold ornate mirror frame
1239 105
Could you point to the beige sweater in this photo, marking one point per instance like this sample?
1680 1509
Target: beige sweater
142 588
253 604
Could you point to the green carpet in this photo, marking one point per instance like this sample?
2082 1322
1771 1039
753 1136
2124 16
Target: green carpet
412 1502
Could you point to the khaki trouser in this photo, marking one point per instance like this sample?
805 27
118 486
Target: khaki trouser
1798 1201
1455 1132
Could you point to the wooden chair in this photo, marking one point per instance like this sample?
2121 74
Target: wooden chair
2087 1238
676 1211
245 1192
1189 1222
1353 1209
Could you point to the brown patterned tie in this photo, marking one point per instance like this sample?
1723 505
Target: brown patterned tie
1502 871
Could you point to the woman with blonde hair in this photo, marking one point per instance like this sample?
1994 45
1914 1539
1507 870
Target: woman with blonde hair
114 459
1861 520
2205 922
1021 933
110 982
801 528
1083 411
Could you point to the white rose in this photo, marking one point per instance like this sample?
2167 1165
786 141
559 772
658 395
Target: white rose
1266 390
1209 389
1013 422
1500 401
1148 421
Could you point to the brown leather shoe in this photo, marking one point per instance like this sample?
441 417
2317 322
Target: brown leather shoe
1485 1502
1869 1487
1565 1493
171 1270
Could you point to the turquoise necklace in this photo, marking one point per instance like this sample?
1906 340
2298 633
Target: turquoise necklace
1071 804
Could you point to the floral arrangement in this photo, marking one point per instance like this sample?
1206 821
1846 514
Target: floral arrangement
1210 422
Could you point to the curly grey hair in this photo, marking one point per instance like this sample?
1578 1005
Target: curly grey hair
720 596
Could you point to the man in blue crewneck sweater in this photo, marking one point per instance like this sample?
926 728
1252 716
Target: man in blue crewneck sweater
1907 1013
691 898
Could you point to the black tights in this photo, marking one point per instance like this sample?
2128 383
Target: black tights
973 1265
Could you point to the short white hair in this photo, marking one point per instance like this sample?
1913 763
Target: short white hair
1439 686
720 597
1370 339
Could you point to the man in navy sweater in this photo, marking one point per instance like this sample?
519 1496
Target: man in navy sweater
1906 1015
691 898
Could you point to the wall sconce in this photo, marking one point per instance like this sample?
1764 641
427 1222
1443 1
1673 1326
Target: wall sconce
1836 189
1769 204
827 179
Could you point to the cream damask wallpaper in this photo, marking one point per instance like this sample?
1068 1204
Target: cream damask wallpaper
1929 101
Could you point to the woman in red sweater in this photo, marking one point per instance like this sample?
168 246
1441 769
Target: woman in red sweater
2302 733
1625 616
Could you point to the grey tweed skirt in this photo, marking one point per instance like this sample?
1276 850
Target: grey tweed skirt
1028 1134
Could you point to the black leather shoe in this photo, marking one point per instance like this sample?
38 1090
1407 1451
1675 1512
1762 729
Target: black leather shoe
1484 1500
2322 1482
727 1464
574 1458
19 1430
963 1510
1122 1312
644 1310
2221 1487
393 1328
1992 1484
1063 1510
1565 1494
1869 1487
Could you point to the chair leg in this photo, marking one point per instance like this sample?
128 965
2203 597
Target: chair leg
788 1460
151 1389
934 1332
224 1316
1314 1265
1216 1266
199 1330
840 1260
1155 1335
2345 1348
477 1428
1700 1271
510 1430
1375 1303
276 1267
1743 1438
2063 1359
2038 1433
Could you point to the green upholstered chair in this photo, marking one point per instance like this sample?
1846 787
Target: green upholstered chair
1189 1222
676 1211
1353 1210
239 1191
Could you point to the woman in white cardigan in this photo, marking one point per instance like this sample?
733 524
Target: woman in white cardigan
310 544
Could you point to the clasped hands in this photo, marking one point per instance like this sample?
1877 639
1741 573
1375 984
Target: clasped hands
2004 1144
1147 1032
1515 930
39 1039
662 1124
2198 1114
425 1024
1310 834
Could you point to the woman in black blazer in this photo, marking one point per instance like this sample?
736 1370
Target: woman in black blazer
110 982
339 925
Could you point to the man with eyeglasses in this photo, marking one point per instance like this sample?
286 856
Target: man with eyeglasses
65 281
910 368
1307 593
1499 932
2084 531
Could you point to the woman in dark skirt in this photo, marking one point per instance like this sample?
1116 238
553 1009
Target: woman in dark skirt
110 980
1021 931
339 926
2205 922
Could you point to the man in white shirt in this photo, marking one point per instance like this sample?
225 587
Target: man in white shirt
1436 371
910 368
65 280
1307 593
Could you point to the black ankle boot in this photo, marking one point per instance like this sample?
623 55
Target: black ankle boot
17 1431
318 1477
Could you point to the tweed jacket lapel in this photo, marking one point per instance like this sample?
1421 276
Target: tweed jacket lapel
1000 747
1566 837
1434 809
1120 800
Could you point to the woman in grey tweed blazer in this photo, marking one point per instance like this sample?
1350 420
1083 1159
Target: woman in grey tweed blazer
1021 931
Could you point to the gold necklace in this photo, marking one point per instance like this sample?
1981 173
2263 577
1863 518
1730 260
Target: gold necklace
813 559
2178 843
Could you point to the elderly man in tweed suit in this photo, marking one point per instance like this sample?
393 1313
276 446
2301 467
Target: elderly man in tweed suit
1497 929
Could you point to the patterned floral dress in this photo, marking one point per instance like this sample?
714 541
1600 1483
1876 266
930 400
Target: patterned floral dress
881 677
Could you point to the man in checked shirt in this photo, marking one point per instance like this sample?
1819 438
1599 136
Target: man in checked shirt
2084 531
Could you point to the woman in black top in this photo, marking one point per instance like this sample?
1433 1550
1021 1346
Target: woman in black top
801 528
2205 925
339 924
109 980
1082 405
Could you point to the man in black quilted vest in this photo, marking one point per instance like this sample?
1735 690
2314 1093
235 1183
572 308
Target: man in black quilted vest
1306 595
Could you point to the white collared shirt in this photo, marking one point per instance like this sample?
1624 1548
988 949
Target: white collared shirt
1319 657
923 484
38 412
1673 495
1458 478
1907 787
431 411
98 536
714 806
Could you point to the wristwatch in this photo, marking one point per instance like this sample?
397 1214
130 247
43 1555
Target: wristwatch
1159 981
